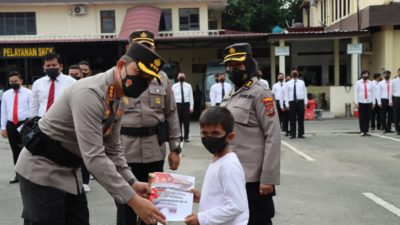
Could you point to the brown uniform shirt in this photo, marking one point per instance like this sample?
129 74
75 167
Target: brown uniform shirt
75 120
155 105
258 133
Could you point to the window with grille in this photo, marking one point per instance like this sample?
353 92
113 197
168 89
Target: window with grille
189 19
18 23
107 18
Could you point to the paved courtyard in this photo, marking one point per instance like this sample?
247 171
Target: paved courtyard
332 177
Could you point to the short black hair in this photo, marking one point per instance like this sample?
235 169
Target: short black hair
86 63
51 56
363 72
15 73
387 72
376 75
74 67
218 115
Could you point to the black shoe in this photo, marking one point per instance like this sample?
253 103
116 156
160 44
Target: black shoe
292 137
368 135
372 128
14 180
287 134
186 140
387 132
302 137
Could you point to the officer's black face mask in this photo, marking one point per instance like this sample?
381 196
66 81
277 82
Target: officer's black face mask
15 86
238 77
387 77
52 73
222 80
134 85
181 79
214 144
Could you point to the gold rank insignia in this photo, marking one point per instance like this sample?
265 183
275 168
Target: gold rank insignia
143 35
125 100
157 62
158 100
232 50
269 106
111 92
248 84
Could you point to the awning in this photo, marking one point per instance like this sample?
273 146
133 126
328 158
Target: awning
140 18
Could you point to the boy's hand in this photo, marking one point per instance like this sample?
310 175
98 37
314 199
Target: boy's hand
266 189
192 220
196 195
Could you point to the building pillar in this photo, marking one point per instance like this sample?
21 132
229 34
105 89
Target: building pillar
282 64
336 60
273 65
355 63
388 48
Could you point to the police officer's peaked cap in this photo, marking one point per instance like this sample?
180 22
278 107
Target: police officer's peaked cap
237 52
147 60
142 36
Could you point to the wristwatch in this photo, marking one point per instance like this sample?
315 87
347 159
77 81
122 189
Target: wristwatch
131 181
178 150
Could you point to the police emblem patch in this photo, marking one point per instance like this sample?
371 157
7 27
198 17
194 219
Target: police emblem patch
158 100
269 106
143 35
157 62
232 50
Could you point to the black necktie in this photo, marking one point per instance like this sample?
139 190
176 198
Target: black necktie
182 93
294 91
223 92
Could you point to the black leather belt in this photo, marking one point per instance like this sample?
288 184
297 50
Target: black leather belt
140 132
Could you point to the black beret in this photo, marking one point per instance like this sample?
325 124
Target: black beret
147 60
237 52
142 36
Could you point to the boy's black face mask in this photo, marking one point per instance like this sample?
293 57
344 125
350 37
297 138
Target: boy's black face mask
214 144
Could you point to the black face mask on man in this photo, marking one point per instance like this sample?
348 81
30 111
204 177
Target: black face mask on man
181 79
214 144
134 85
52 73
15 86
238 77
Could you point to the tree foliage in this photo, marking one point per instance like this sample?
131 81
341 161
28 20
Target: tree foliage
261 15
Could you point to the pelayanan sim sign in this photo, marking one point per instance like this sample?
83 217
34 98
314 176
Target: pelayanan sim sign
25 52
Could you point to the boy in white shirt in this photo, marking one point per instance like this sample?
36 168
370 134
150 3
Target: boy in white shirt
223 199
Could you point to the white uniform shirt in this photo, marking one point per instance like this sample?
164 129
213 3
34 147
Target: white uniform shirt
384 91
216 92
40 92
264 82
301 91
359 92
7 105
375 85
396 87
277 90
223 196
187 91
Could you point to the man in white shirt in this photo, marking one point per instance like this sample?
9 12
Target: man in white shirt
385 102
184 101
261 80
376 112
49 88
296 101
278 91
14 110
75 72
219 90
364 97
396 102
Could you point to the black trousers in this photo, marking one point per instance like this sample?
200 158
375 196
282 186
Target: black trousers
286 120
125 214
261 207
376 117
364 112
386 115
14 139
280 113
184 118
85 174
396 113
296 112
50 206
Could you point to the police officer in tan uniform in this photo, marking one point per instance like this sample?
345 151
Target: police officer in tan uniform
258 133
149 121
84 124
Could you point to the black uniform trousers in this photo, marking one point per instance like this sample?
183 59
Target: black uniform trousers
376 117
50 206
261 207
386 115
14 139
280 113
125 214
396 113
286 120
296 112
85 174
184 117
364 111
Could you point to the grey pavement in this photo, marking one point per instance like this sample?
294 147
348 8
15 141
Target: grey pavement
326 191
